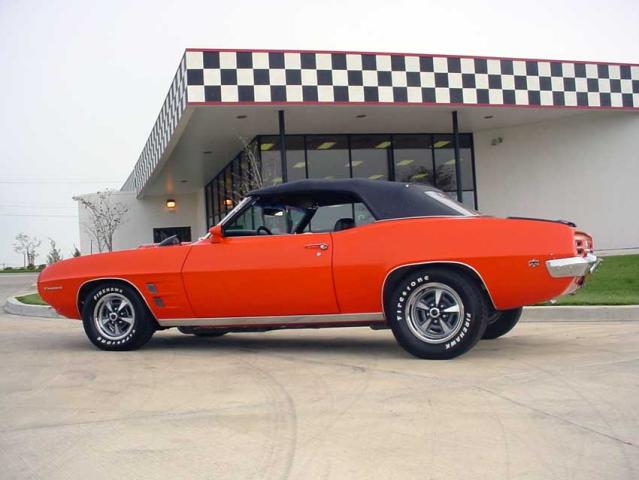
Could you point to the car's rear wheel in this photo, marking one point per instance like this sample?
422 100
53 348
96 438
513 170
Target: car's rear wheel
202 331
502 322
437 313
115 318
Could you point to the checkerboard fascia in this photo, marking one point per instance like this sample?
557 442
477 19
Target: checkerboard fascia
166 123
241 76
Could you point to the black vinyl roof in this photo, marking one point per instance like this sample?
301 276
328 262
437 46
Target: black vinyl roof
384 199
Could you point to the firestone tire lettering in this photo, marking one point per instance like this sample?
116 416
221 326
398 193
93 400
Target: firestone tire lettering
143 328
474 319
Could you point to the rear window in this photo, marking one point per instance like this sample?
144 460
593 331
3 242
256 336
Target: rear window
454 205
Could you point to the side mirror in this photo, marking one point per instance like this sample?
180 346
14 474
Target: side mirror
216 233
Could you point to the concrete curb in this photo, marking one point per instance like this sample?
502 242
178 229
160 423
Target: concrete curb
569 313
14 307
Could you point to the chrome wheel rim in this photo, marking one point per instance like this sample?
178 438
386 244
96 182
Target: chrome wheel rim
114 316
435 313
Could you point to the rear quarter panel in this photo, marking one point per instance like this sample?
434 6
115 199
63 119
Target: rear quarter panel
59 283
498 249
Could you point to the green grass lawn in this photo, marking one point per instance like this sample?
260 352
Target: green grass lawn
21 270
616 282
31 299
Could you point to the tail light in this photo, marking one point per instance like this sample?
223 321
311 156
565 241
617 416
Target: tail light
583 244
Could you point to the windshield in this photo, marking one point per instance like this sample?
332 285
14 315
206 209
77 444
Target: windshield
229 215
272 218
235 209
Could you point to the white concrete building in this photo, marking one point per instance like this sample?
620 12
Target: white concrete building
535 138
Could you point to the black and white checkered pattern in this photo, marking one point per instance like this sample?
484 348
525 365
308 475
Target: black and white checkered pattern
241 76
208 76
166 123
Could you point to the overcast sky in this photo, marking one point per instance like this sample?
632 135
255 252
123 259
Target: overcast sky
81 82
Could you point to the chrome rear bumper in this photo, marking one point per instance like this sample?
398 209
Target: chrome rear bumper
572 266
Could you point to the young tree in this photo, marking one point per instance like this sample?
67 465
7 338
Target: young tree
76 252
21 247
251 176
55 254
27 247
105 217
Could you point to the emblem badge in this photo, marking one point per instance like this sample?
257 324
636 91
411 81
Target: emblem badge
533 263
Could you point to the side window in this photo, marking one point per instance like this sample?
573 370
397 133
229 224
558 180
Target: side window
276 219
326 218
249 220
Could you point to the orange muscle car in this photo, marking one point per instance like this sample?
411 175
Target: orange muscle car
330 253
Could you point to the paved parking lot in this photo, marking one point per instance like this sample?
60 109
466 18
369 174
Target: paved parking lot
12 283
547 401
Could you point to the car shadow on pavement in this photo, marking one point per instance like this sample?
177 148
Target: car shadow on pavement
382 345
379 344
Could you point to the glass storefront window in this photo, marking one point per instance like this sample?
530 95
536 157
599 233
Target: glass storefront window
445 178
248 171
271 161
413 158
417 158
295 155
214 205
220 195
327 156
295 158
228 184
208 194
369 156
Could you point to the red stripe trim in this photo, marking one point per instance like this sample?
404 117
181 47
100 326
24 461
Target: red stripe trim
410 55
407 104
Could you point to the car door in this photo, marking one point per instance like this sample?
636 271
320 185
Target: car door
256 275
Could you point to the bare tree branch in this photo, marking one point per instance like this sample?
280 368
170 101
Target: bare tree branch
251 175
27 247
105 217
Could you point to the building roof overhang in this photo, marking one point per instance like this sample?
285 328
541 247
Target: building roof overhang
219 98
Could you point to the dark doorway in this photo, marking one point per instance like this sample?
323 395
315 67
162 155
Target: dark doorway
183 233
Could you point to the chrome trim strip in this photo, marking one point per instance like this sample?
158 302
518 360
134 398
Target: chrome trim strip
335 318
437 261
572 266
428 216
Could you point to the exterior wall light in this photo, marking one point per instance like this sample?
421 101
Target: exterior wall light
228 202
171 204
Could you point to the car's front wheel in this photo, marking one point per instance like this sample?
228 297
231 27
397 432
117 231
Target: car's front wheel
115 318
437 313
502 322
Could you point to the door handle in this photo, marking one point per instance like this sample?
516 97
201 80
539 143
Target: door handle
321 246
